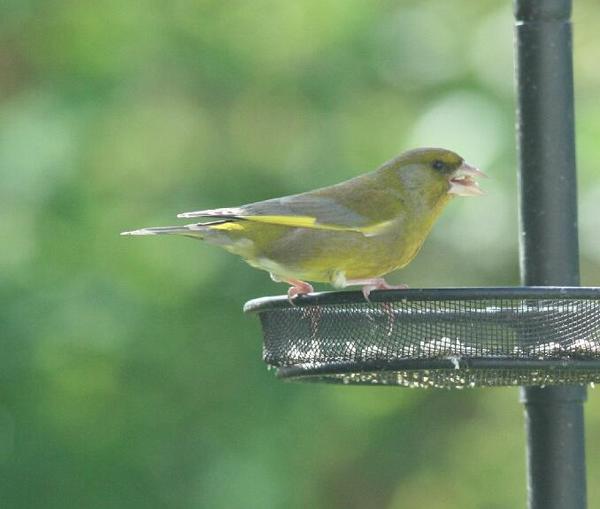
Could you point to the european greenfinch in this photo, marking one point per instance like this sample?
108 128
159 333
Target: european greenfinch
351 233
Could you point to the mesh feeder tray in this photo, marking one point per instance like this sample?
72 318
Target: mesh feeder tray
451 338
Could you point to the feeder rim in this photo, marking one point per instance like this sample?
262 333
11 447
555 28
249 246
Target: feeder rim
433 294
454 363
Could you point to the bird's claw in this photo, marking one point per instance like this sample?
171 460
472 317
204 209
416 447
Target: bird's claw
379 284
298 288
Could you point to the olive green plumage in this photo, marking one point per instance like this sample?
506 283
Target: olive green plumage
360 229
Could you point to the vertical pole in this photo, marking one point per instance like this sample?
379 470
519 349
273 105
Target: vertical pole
549 243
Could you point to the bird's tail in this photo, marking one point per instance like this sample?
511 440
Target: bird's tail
161 230
197 230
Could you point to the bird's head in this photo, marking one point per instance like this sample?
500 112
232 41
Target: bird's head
437 171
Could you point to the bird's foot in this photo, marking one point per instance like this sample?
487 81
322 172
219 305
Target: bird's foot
377 283
298 288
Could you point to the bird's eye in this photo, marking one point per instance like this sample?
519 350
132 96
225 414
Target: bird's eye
438 165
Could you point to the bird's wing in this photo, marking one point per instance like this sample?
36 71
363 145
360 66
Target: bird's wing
307 210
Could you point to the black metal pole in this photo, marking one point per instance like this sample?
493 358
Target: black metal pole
549 243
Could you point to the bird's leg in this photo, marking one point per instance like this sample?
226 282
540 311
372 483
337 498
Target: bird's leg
376 283
313 315
298 288
379 283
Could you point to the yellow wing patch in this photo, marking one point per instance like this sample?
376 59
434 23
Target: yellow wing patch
374 229
311 222
297 221
229 226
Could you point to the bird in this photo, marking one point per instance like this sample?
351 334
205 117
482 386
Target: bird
347 234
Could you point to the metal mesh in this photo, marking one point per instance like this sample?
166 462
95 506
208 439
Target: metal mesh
440 338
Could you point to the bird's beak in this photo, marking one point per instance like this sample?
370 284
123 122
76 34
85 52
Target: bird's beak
462 183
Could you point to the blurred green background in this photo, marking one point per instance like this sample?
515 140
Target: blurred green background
129 376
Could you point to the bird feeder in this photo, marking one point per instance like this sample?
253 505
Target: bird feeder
543 336
448 338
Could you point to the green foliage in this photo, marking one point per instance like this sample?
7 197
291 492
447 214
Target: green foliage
128 375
